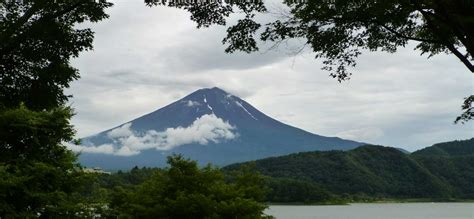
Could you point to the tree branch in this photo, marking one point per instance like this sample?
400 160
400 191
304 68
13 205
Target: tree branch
21 20
463 31
30 12
396 33
64 11
444 41
464 59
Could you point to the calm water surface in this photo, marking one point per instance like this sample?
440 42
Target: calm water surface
376 211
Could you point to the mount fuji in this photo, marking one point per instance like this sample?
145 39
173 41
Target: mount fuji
210 126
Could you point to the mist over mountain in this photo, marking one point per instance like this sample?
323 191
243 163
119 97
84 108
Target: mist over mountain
210 126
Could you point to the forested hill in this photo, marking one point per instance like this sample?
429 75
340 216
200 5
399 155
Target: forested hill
368 173
376 172
452 148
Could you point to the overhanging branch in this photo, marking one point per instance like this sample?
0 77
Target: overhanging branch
398 34
464 59
439 34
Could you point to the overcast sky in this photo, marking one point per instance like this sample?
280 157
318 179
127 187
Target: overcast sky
145 58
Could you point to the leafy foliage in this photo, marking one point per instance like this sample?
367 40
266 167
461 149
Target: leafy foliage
186 191
339 30
240 37
468 113
37 172
134 177
39 176
27 135
38 38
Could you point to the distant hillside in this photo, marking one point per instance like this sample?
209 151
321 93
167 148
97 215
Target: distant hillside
452 162
452 148
377 172
456 171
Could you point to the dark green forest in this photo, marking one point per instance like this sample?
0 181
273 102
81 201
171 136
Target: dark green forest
181 190
453 148
365 174
377 173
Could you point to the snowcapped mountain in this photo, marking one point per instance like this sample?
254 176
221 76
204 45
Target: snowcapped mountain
210 126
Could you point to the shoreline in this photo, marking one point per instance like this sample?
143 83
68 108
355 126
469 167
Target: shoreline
394 201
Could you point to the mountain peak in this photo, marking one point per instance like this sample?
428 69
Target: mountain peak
217 101
211 90
215 89
208 97
208 125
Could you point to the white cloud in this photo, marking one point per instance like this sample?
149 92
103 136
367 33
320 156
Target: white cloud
126 151
205 129
101 149
122 131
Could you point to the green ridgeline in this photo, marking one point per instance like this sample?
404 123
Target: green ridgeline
371 173
365 174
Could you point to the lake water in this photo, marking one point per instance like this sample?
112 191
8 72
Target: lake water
376 211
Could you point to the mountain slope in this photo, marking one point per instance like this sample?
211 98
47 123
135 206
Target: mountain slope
372 171
210 126
452 148
457 171
452 162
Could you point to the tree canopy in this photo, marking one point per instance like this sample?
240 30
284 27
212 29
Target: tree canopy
338 31
186 191
37 40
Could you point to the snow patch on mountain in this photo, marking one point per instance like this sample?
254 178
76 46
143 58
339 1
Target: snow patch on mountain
191 103
205 129
241 106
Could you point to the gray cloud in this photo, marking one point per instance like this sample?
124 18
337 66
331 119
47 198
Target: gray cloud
146 58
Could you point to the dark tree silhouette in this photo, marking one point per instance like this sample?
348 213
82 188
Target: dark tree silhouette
37 40
339 30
